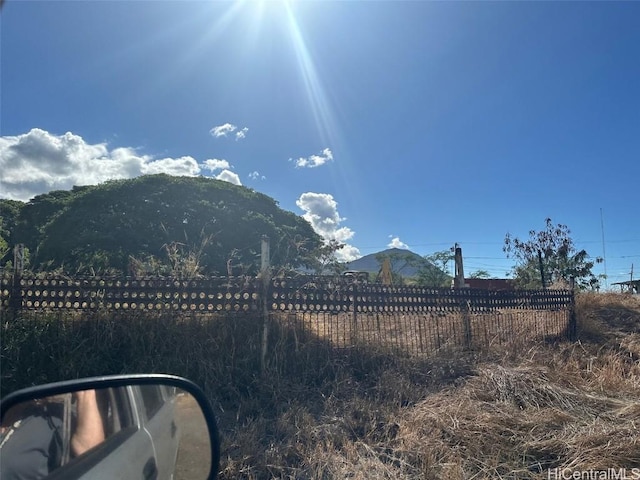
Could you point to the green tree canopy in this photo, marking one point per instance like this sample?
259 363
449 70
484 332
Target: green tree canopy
480 273
189 225
9 212
325 260
399 261
561 261
434 272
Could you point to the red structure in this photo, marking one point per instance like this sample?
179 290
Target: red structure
489 283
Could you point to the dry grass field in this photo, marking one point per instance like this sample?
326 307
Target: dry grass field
426 334
354 400
512 412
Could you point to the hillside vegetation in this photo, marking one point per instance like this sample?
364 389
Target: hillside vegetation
155 224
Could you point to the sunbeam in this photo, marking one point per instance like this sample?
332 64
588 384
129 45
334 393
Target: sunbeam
198 48
314 89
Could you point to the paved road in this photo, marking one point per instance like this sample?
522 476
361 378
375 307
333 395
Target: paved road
194 452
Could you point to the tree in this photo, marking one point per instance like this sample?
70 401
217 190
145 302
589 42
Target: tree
325 259
9 212
434 273
552 247
399 260
480 274
4 250
182 225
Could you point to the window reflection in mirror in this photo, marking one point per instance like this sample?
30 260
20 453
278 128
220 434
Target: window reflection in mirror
153 431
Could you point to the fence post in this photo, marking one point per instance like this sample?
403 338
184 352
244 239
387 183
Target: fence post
573 321
265 269
15 300
466 323
354 319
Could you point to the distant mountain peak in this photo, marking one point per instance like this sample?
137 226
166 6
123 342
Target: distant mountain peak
410 268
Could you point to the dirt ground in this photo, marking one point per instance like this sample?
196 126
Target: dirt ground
194 452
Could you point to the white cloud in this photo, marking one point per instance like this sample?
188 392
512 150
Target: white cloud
229 176
348 253
38 162
223 130
314 160
256 175
183 166
226 174
227 129
396 243
241 134
216 164
321 211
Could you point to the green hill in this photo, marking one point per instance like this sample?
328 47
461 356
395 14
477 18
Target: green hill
157 224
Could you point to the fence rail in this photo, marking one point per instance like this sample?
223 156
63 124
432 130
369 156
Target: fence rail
299 294
332 310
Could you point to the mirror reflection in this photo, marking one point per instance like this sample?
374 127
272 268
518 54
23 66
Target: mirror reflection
135 431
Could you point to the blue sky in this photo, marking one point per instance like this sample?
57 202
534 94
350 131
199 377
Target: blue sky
416 124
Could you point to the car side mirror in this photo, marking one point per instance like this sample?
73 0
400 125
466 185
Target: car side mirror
120 426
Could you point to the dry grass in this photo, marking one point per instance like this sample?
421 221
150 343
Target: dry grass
606 316
528 404
514 412
427 333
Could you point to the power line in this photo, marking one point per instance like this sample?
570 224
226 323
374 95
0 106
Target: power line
433 244
608 241
604 253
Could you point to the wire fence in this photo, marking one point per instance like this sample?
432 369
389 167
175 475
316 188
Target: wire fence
428 333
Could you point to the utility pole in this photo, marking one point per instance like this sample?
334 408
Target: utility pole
459 277
459 283
604 251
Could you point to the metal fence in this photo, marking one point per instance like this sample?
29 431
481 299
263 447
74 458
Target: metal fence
333 310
